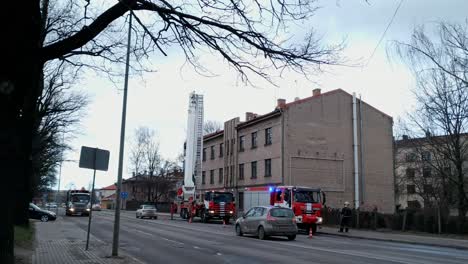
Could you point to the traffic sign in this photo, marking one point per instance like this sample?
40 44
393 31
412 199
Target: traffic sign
124 195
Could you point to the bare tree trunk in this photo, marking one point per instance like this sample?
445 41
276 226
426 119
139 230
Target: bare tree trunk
403 227
439 226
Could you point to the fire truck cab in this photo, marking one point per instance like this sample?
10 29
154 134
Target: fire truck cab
306 203
215 205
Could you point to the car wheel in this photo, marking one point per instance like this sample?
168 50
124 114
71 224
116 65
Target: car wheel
291 237
261 233
155 217
44 218
238 230
136 216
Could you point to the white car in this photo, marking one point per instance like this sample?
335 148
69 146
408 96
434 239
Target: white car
148 211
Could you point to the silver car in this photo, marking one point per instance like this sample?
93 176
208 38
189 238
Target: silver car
146 211
265 221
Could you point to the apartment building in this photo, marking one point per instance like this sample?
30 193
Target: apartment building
307 142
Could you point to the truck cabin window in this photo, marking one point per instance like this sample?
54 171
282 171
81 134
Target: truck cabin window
80 198
304 196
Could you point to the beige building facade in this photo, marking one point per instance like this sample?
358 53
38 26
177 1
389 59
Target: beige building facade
307 142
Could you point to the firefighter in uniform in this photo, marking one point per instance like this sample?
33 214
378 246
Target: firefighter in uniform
346 214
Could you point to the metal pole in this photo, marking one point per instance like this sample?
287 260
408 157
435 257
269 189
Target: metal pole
115 240
92 201
60 176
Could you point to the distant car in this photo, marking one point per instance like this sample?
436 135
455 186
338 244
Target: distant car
51 205
148 211
37 213
97 207
264 221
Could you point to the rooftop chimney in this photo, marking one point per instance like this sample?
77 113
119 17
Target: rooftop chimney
281 103
316 92
249 116
296 99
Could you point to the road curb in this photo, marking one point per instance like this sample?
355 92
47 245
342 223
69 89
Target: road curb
395 240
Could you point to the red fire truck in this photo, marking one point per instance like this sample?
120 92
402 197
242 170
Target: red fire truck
212 205
306 202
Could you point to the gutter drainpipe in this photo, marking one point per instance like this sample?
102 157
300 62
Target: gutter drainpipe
356 159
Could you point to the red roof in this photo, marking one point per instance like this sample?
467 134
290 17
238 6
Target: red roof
110 188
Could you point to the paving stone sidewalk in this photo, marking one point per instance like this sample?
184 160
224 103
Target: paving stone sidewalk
62 241
394 236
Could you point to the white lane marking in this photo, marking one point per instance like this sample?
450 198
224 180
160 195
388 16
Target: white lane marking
219 254
173 241
196 247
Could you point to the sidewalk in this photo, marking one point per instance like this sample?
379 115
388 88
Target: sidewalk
395 236
63 242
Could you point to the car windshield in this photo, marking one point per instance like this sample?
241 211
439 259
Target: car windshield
34 206
281 212
80 198
305 196
222 197
149 207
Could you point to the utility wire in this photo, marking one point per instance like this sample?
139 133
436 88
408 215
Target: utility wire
385 32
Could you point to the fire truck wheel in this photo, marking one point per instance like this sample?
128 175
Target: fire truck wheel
261 233
226 220
238 230
291 237
314 229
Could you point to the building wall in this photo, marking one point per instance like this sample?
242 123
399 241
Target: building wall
319 150
261 153
212 164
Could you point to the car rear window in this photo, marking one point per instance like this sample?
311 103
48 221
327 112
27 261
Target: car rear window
281 212
148 207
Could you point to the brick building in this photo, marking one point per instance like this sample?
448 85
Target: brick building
308 142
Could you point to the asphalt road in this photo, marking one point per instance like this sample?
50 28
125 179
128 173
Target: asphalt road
177 241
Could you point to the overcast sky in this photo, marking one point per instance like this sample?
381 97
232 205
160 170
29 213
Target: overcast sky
159 100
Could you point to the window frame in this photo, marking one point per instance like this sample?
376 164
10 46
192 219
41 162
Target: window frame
253 172
211 176
268 136
241 143
212 152
267 172
241 171
253 140
203 177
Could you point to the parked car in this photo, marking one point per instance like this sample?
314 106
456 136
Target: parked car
147 211
96 207
37 213
51 206
264 221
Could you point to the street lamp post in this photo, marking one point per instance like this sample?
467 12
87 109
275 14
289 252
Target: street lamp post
115 239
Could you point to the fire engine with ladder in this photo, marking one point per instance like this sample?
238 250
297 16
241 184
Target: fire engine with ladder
215 204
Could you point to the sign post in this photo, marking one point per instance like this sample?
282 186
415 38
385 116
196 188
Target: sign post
94 159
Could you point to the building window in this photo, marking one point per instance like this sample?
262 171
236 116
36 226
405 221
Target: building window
426 156
220 176
254 140
241 171
211 176
428 188
221 150
203 177
227 148
410 157
267 167
410 173
241 143
426 172
232 172
212 154
232 146
204 154
268 136
410 189
253 167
